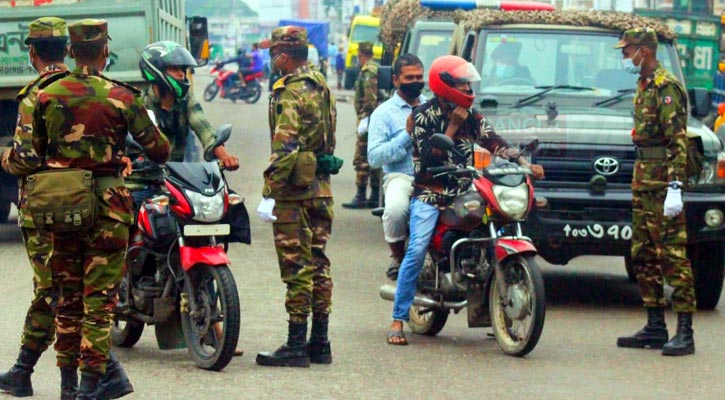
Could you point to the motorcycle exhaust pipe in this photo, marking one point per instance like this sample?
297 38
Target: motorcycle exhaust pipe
387 292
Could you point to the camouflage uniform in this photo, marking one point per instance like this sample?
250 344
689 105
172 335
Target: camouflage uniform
367 99
302 118
38 330
658 242
81 121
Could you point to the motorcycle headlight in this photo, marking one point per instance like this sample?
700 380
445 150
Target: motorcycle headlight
207 208
514 201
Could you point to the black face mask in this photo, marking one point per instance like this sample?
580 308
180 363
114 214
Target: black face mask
411 90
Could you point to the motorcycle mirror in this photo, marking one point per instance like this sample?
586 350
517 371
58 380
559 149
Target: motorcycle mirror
529 144
222 135
441 141
132 146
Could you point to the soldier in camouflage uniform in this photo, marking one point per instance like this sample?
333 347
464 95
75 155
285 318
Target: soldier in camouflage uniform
81 121
47 38
658 223
297 196
367 98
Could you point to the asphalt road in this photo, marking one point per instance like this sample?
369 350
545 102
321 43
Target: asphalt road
589 303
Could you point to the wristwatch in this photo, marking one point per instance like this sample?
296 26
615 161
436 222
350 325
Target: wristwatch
675 185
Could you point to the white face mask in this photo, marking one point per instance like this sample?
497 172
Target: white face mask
108 62
629 66
30 62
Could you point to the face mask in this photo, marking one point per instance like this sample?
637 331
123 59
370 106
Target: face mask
629 66
273 64
411 90
504 71
108 62
30 62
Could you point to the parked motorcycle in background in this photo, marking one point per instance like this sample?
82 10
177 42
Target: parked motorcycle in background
178 277
479 258
249 93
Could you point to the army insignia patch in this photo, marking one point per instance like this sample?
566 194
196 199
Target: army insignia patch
667 99
279 108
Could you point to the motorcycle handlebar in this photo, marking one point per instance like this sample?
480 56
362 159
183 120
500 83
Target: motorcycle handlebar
440 170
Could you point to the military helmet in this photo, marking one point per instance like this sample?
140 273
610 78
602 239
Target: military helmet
158 56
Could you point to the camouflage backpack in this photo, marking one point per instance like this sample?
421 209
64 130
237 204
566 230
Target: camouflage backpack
61 200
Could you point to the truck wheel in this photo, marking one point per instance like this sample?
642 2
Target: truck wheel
4 210
630 269
708 268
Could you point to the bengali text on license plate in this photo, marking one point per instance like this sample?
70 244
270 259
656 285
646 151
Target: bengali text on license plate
598 231
206 230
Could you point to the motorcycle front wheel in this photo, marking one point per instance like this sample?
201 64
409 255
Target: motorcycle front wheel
257 88
211 91
517 318
125 333
212 331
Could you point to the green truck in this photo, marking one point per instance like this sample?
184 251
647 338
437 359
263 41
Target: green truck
132 25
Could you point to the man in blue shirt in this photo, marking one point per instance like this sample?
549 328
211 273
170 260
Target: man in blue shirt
390 147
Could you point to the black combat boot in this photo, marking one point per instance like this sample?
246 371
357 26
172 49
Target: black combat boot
359 200
114 384
291 354
374 198
89 386
653 335
319 345
682 343
68 383
17 379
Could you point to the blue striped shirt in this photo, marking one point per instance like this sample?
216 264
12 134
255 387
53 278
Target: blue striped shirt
389 145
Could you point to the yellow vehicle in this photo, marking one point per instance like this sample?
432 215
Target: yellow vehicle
363 28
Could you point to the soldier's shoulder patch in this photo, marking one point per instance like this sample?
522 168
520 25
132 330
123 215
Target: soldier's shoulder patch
26 89
667 99
280 83
49 79
134 90
278 109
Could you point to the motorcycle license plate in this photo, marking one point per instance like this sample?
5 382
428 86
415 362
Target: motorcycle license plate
206 230
598 232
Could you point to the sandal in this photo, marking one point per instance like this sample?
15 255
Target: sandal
392 272
402 341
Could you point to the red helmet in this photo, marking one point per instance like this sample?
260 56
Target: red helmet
446 72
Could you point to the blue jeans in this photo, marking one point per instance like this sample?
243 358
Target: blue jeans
423 218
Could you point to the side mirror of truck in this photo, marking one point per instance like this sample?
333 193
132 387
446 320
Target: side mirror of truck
385 78
701 103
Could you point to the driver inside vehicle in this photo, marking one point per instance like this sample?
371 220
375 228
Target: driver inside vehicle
506 68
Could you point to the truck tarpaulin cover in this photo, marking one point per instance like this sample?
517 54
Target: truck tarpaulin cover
316 32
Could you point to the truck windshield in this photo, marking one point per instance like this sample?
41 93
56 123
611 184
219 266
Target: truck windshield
364 33
518 62
431 45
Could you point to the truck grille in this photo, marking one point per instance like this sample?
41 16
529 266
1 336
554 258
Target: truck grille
578 163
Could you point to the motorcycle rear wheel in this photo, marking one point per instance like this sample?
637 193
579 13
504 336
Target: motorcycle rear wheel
518 320
257 88
211 91
125 333
215 293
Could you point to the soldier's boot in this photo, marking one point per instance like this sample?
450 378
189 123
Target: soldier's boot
17 379
319 345
68 383
398 252
653 335
374 198
114 384
359 200
89 386
683 343
291 354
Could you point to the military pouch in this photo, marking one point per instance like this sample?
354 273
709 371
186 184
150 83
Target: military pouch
61 200
304 171
329 164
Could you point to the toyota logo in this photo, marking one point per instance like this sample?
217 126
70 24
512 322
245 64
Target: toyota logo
606 166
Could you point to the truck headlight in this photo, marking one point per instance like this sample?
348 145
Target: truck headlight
514 201
206 208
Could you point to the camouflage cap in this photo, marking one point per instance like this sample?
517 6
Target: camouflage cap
88 30
637 36
286 36
45 28
365 48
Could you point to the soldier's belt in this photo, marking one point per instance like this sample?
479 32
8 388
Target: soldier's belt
651 153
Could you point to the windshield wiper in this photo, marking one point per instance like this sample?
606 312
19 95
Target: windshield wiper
614 99
530 99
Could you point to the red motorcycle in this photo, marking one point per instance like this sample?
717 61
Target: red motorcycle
480 260
250 93
178 277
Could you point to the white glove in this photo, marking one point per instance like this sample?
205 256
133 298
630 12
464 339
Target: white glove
673 201
264 210
362 127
